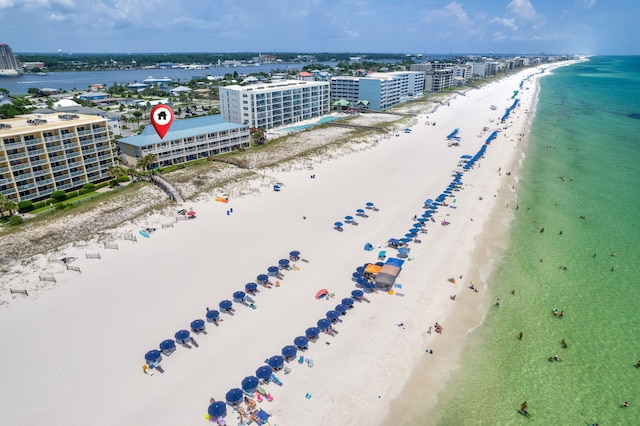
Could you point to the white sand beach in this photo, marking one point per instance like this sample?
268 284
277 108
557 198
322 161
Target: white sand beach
74 355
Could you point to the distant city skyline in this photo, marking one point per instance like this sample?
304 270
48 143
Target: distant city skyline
401 26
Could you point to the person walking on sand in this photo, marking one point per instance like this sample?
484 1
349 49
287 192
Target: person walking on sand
497 302
520 336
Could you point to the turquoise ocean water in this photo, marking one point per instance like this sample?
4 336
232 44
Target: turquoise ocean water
584 131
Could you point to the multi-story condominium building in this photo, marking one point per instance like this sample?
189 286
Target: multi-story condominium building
384 90
462 72
345 87
40 154
268 105
439 80
186 140
9 65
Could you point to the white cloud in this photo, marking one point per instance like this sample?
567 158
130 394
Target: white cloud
57 17
505 22
453 10
523 9
586 4
6 4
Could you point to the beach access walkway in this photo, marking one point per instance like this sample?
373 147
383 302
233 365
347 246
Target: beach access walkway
168 187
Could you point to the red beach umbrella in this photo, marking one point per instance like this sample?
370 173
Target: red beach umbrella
321 293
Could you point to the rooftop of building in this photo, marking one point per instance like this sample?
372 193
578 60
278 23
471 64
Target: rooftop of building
180 129
42 122
275 85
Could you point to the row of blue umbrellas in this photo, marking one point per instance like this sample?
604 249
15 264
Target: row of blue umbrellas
508 110
154 356
250 383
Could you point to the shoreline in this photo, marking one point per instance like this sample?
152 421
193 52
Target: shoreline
423 390
209 266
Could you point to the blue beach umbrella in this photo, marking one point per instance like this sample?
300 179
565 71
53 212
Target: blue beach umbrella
324 324
167 345
289 351
264 372
301 341
276 362
153 356
356 275
182 336
294 253
342 309
360 269
348 219
408 235
406 240
234 396
333 315
283 263
362 281
238 296
312 332
369 285
249 287
360 212
217 409
357 294
212 315
197 325
338 224
347 301
272 270
262 278
250 383
225 304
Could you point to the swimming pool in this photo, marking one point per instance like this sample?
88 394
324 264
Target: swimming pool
301 127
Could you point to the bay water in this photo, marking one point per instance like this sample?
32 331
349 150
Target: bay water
573 247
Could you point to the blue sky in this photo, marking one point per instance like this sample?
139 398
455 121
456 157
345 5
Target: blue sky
398 26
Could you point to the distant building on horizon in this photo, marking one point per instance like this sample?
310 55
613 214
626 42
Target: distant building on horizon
270 105
9 65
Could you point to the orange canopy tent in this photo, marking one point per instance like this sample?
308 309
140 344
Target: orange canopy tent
372 269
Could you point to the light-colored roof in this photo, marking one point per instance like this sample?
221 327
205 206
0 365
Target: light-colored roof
180 129
181 89
65 103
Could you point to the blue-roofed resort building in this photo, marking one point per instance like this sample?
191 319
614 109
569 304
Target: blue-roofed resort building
186 140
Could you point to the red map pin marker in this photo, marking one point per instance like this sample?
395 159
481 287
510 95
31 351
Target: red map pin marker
161 118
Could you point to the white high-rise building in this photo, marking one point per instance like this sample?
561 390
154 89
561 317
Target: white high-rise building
271 105
9 65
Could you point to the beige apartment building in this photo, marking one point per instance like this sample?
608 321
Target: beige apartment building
43 153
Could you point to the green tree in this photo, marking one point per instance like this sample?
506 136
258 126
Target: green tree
137 114
7 207
146 162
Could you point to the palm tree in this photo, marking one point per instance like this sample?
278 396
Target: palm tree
146 162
